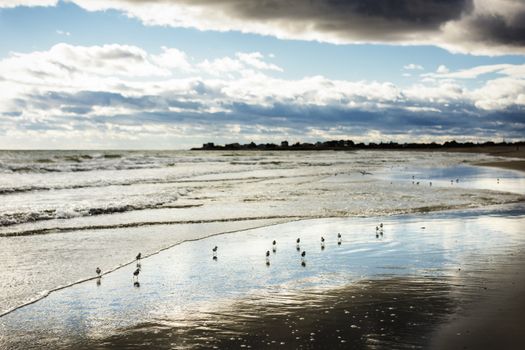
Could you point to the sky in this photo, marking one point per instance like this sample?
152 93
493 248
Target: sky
173 74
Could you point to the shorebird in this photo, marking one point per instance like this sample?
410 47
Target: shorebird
214 250
339 239
274 246
430 183
267 257
303 261
139 256
98 271
298 241
136 274
322 242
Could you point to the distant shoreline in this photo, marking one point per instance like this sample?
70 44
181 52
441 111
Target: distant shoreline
506 149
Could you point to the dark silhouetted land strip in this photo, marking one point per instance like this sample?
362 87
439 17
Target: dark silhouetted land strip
505 148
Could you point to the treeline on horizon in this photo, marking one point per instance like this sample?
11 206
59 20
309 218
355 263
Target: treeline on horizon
349 144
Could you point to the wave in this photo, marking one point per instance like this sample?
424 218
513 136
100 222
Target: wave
398 211
60 229
151 181
78 161
69 161
16 218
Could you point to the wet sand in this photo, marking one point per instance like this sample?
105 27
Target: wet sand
395 313
389 313
496 321
507 164
498 151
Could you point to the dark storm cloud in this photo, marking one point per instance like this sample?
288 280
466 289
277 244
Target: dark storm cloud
496 29
372 19
476 24
473 26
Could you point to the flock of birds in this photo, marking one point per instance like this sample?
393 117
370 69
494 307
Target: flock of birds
379 232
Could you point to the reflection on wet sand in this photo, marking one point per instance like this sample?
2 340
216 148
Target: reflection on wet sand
384 313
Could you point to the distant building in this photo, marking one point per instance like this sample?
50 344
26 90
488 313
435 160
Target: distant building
235 145
284 144
208 145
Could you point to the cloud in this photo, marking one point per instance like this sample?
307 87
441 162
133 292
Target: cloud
244 63
492 27
61 32
112 95
16 3
514 70
413 66
254 59
442 69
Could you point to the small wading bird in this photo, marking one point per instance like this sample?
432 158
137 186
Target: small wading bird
268 257
339 239
136 275
214 250
98 271
298 241
303 261
322 242
139 256
274 246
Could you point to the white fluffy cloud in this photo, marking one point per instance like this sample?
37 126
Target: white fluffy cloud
16 3
125 92
413 66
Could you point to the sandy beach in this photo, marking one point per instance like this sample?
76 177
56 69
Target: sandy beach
504 152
